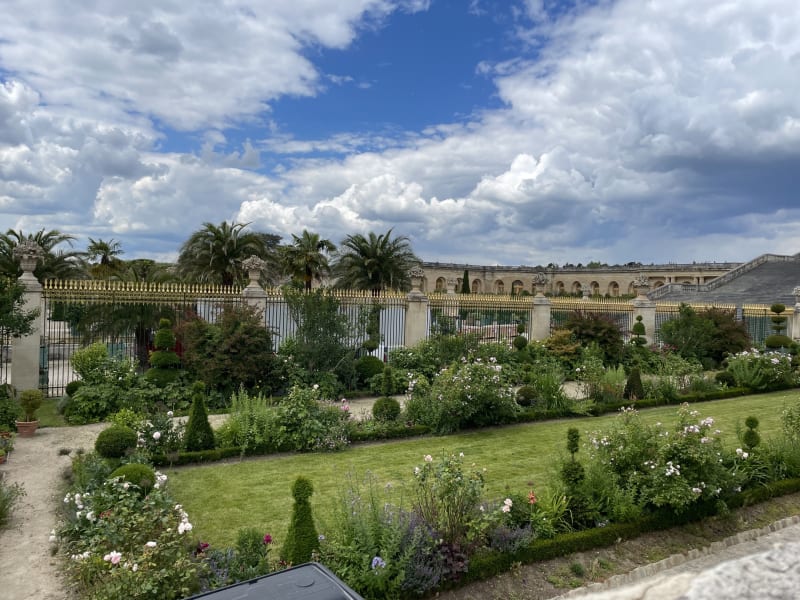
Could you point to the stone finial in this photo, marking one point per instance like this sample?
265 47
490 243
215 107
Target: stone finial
796 293
539 283
641 283
253 265
416 272
451 285
28 252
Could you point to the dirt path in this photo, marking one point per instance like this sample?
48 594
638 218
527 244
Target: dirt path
27 569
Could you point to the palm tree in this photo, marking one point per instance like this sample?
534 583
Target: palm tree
55 264
104 256
214 253
376 263
305 259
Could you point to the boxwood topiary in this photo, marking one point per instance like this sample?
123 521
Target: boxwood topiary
368 367
115 441
386 409
527 395
137 474
301 538
73 387
199 435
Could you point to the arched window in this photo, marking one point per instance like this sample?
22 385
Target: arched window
441 284
576 287
658 284
516 287
613 289
595 288
476 286
499 287
560 288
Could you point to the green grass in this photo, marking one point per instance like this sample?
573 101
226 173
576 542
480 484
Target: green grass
220 498
48 414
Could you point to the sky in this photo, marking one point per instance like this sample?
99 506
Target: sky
515 132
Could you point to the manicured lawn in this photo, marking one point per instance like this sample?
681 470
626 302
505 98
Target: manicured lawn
221 498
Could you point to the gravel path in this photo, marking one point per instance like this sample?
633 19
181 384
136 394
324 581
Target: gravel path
28 570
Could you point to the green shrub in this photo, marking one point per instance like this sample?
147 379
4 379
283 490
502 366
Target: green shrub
592 328
73 387
251 558
725 378
546 378
9 409
366 368
301 537
138 474
776 341
89 363
164 362
526 395
198 435
634 390
396 384
30 401
306 424
115 441
519 342
386 409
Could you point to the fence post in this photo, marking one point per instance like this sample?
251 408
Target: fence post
644 307
540 321
254 295
25 354
416 323
794 331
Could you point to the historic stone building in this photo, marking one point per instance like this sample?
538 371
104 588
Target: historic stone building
597 281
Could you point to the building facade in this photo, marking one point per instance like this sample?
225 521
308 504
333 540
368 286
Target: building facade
615 281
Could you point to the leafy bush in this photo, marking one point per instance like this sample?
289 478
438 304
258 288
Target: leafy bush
707 336
386 409
546 378
301 537
464 395
198 434
592 328
527 395
725 378
305 424
115 441
396 383
380 550
9 409
251 425
89 363
123 544
138 474
235 350
761 371
430 356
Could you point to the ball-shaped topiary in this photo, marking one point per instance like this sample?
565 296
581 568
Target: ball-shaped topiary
520 342
136 474
301 538
386 409
115 441
777 340
751 438
368 367
526 395
73 386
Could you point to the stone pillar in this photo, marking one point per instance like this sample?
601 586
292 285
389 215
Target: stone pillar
794 330
254 294
644 307
25 356
416 325
539 327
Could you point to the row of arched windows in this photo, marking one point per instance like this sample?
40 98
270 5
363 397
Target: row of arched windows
558 287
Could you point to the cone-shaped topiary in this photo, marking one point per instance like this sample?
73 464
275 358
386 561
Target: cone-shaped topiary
199 435
301 538
634 390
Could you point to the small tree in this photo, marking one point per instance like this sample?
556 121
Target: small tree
465 287
778 339
301 538
634 390
199 435
13 319
638 332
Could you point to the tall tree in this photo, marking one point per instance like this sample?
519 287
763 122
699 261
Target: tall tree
465 287
214 253
55 264
376 263
104 256
305 259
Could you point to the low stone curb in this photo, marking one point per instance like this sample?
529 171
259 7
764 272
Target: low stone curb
676 560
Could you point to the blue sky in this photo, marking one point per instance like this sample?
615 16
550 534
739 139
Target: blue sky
515 132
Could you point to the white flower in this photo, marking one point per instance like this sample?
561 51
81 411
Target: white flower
506 508
151 544
428 458
508 502
156 435
461 455
315 387
416 470
170 414
135 567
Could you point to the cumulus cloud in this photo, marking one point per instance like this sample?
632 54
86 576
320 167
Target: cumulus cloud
635 131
